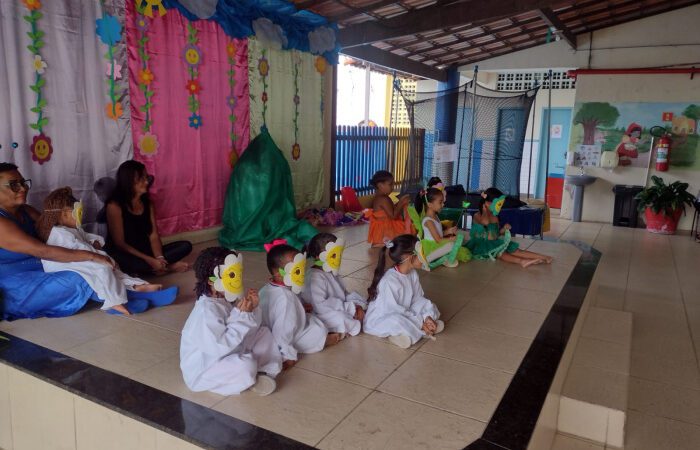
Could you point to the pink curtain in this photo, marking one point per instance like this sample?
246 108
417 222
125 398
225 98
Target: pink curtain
191 166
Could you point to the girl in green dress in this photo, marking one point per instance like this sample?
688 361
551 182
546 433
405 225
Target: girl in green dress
487 240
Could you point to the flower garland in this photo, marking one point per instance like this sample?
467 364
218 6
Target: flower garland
41 148
231 99
296 148
109 30
264 69
148 143
193 57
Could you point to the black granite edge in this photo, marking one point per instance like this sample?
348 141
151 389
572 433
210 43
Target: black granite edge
513 423
181 418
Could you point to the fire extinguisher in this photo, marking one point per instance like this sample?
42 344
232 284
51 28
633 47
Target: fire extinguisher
663 147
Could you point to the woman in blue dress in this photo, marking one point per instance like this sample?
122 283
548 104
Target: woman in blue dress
25 290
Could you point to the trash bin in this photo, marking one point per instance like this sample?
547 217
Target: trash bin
626 214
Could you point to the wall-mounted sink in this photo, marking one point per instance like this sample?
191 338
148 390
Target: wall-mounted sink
578 182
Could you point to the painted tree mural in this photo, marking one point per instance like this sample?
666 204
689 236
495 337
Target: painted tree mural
594 114
692 112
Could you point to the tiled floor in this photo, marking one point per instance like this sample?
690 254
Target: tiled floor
367 393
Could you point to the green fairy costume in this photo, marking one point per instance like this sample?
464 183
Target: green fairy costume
486 242
457 253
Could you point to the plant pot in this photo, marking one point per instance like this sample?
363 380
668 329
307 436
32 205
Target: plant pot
660 222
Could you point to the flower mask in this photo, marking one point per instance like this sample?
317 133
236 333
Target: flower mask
497 205
78 213
330 258
228 277
420 253
294 272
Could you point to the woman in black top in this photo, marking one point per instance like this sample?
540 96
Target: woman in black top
133 236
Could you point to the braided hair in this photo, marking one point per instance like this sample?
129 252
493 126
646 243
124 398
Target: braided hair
53 207
204 266
401 246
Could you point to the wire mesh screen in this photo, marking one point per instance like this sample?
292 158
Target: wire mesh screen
471 138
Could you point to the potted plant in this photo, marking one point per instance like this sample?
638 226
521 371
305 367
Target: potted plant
663 204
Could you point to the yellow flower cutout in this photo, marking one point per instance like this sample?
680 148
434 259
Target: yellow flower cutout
294 273
39 64
229 277
148 144
332 256
78 213
321 64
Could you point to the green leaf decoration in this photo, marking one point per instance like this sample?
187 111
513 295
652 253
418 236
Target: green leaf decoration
149 94
34 126
32 49
39 34
41 82
43 122
34 88
35 109
42 102
38 43
27 18
143 108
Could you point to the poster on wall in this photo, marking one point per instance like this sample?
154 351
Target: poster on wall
587 155
624 128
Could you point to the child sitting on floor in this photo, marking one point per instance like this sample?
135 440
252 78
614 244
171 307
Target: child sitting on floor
397 308
295 331
339 310
60 225
223 346
437 243
387 220
489 241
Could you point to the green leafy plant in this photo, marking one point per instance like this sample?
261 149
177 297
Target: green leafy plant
665 197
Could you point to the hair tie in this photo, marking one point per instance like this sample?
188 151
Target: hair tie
388 243
273 244
483 195
440 186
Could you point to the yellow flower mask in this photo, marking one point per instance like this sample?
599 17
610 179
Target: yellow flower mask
330 258
294 273
420 253
497 205
78 213
228 278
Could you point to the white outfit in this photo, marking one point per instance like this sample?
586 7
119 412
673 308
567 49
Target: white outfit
222 349
445 248
109 285
400 307
332 303
294 330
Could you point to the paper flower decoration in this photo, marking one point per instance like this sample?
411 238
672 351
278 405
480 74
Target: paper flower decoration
117 70
32 5
193 87
228 277
232 158
296 151
294 273
297 100
264 97
146 76
231 49
332 256
195 121
146 7
148 144
41 148
39 64
109 29
114 111
231 101
497 205
78 213
321 64
141 23
263 66
193 56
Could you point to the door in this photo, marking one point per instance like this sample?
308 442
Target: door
558 137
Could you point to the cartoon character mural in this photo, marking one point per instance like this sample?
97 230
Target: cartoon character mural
627 149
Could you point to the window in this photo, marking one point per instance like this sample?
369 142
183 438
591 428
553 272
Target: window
522 81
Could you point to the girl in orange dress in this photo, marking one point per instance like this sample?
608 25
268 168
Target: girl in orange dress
387 220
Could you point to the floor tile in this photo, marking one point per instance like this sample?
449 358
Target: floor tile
596 386
171 317
563 442
511 321
464 389
5 410
517 298
664 400
357 359
608 325
478 346
305 407
610 356
677 372
387 422
646 432
349 266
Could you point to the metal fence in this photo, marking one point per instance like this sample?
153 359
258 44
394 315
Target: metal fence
361 151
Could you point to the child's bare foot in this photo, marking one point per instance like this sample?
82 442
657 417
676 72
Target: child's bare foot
333 338
530 262
179 267
122 309
148 287
548 259
288 364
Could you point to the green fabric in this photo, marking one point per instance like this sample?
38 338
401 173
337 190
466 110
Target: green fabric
260 201
482 247
417 221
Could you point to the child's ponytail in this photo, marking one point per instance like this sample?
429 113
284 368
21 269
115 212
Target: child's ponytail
378 274
397 249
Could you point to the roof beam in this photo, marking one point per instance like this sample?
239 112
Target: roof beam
436 17
551 19
395 62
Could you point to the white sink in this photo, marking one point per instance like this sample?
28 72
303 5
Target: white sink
580 180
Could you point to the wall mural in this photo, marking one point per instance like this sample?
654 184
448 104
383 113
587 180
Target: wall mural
623 128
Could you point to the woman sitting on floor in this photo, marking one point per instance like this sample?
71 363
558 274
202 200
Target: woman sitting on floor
133 240
25 290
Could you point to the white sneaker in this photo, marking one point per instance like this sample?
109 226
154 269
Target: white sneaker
264 385
440 326
452 264
401 341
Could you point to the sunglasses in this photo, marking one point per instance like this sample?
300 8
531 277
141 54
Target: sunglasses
17 185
